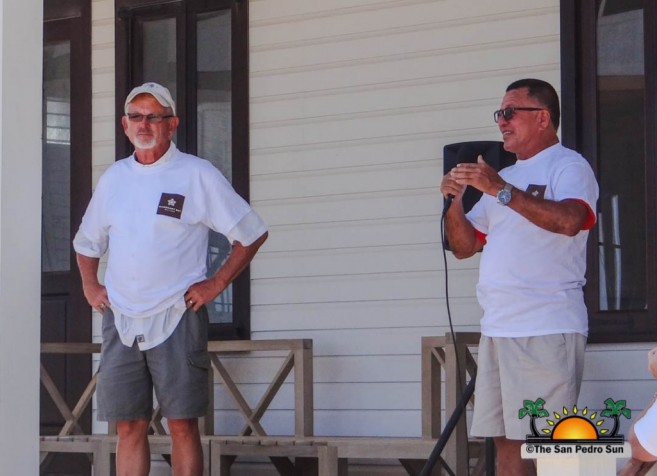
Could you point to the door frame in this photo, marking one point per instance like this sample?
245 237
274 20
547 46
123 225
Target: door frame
71 20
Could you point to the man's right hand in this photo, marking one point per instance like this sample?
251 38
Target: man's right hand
96 295
460 232
449 187
95 292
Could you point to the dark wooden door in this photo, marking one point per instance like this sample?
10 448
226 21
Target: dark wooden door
66 188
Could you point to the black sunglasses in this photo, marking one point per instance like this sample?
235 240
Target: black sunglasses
508 112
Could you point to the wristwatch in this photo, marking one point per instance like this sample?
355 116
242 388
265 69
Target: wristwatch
504 195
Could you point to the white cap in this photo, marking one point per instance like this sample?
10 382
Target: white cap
158 91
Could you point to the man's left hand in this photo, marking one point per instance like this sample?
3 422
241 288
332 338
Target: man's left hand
201 293
481 176
239 258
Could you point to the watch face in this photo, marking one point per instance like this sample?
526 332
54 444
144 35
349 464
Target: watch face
504 196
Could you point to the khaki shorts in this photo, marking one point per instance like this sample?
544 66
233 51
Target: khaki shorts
513 369
178 370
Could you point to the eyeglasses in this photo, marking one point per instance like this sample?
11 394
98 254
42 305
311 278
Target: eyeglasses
508 112
151 118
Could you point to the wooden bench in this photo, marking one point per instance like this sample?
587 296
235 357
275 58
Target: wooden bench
71 437
87 444
159 445
438 363
332 453
297 357
411 453
225 450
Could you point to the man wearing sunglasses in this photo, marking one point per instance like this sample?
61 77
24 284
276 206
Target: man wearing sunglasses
531 224
152 213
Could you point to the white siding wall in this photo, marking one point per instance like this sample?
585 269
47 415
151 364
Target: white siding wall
352 102
351 105
619 372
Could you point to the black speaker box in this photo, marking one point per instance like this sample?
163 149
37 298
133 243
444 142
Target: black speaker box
494 155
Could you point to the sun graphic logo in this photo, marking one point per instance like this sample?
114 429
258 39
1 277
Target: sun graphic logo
575 426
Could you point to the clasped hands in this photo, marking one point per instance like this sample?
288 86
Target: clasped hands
479 175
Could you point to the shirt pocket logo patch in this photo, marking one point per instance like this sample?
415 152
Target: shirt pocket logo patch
537 191
171 205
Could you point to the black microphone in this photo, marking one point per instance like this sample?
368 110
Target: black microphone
448 202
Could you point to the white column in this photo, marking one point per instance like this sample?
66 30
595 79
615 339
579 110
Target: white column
576 459
21 25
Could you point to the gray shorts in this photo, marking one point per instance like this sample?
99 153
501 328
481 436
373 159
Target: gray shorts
178 370
513 369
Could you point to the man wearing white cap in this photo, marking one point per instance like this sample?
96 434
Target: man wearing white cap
152 213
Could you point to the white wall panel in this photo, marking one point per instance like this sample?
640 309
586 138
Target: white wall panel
352 102
437 38
277 320
356 206
372 151
296 238
405 67
410 175
369 286
424 92
350 261
359 18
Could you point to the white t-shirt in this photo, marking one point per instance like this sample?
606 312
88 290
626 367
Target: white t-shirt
645 430
530 279
155 219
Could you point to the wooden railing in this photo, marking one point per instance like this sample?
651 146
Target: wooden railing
297 358
442 373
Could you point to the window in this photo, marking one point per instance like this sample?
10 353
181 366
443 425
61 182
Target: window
609 89
198 49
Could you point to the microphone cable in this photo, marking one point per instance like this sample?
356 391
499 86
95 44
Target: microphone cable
448 202
459 384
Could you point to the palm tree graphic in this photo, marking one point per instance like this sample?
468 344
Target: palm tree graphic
534 410
615 410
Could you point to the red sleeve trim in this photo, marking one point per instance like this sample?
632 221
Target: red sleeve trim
590 216
480 236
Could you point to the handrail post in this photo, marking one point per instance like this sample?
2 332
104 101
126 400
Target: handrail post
206 422
433 360
303 389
